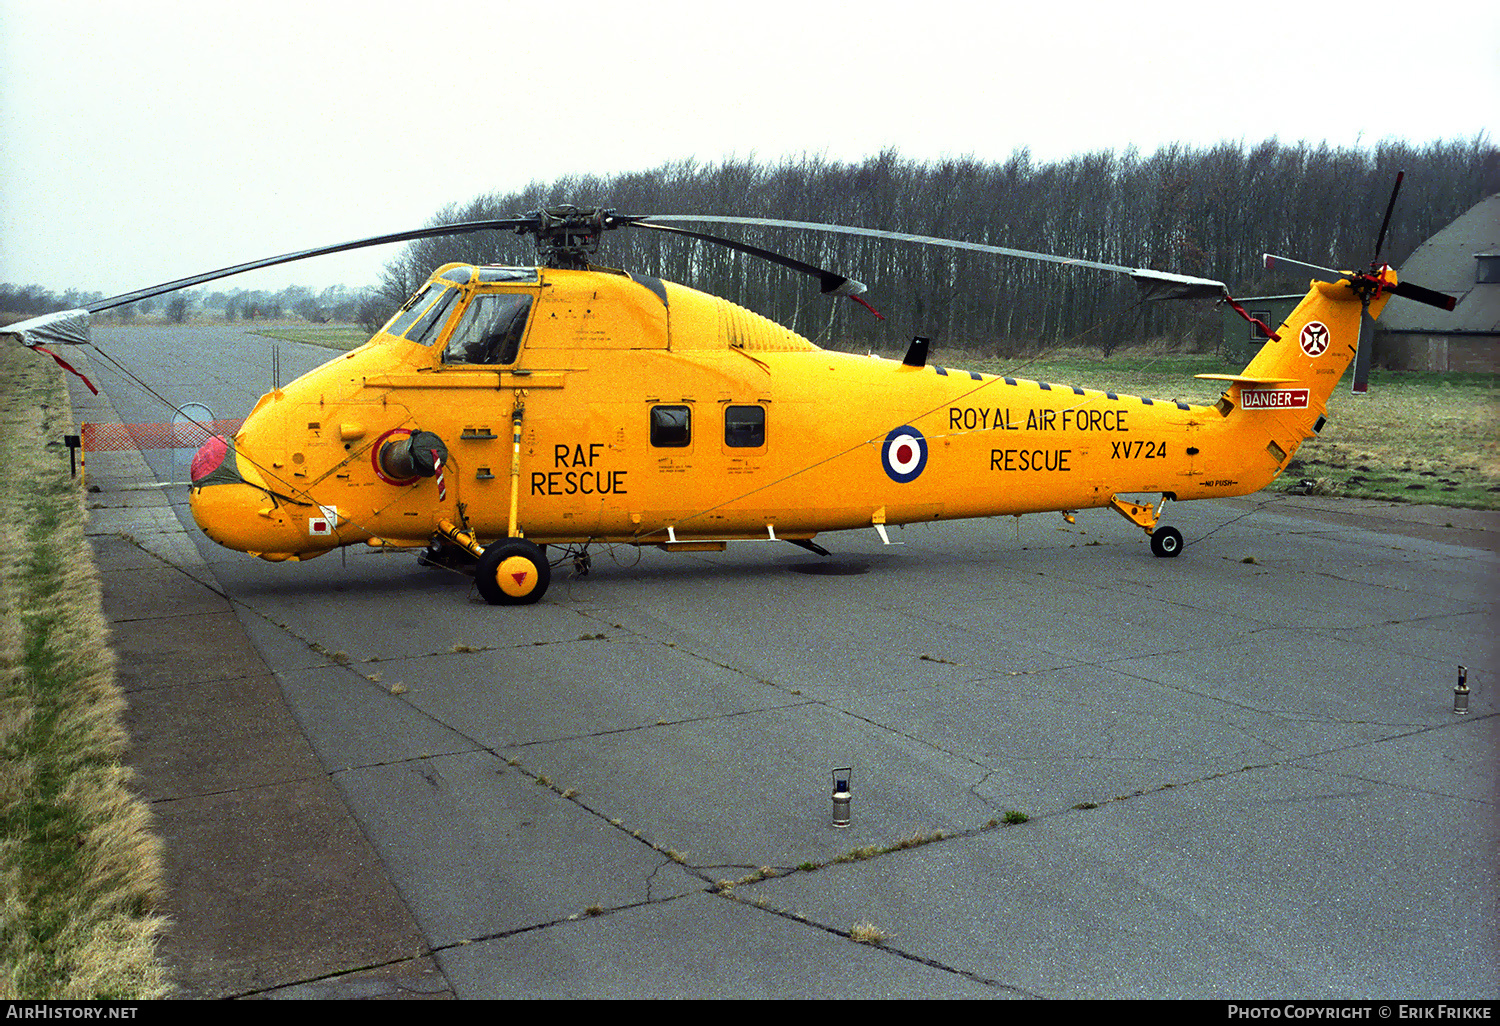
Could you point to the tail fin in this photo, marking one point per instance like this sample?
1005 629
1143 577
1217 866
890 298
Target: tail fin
1282 395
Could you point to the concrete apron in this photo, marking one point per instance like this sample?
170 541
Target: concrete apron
273 890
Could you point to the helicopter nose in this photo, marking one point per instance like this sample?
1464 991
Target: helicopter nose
234 509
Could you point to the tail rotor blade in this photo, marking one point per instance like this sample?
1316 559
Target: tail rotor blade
1389 207
1362 354
1417 293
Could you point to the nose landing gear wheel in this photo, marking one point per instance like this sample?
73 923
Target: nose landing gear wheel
512 572
1166 541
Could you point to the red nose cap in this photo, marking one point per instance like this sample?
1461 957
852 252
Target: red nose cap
214 463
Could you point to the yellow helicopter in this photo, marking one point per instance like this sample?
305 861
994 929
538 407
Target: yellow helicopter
502 410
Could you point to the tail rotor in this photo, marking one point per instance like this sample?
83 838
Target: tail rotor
1377 272
1370 286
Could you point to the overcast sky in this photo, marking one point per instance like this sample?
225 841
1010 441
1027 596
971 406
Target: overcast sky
145 141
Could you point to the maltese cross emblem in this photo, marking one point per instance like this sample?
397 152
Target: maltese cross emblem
1314 338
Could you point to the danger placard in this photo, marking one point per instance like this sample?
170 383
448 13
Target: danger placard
1274 398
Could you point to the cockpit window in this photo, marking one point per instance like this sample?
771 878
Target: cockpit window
425 330
490 330
416 297
415 307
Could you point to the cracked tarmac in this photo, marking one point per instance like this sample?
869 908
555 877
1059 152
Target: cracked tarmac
1241 767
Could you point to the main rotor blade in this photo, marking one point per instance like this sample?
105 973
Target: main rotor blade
1272 261
503 224
1180 285
828 281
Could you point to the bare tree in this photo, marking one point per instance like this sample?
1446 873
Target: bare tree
1208 212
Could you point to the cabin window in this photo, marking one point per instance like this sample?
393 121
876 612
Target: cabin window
744 427
1256 332
490 330
428 325
1487 268
671 426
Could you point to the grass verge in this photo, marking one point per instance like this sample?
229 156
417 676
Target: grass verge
1417 437
330 336
80 869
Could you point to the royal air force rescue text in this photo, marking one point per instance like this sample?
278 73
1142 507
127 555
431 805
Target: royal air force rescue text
981 418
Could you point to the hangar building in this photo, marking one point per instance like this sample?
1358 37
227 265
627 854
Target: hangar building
1462 260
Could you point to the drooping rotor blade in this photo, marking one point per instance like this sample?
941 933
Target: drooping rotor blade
503 224
1273 261
831 283
1159 284
62 327
1389 207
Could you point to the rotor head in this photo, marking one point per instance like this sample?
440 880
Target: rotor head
567 236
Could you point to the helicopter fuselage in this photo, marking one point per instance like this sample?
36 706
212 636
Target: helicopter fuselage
577 406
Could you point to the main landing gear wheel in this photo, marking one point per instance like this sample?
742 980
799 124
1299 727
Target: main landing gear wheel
1166 541
512 572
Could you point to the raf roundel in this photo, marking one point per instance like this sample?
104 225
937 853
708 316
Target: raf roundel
904 454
